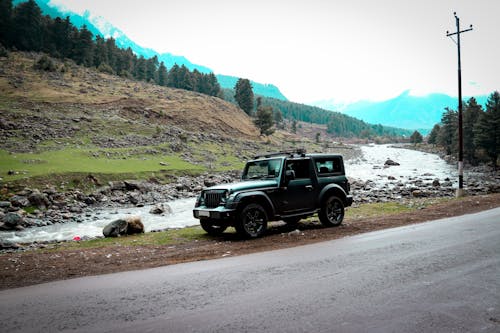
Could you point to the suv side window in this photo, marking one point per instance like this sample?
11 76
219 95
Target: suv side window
300 167
328 166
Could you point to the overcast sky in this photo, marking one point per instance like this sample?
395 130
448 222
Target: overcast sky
312 50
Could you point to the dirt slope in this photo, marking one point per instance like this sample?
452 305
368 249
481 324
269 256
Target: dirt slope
72 84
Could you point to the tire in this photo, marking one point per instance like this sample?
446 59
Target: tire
252 221
332 212
211 228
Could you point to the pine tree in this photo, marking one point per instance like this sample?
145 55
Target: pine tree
27 24
83 48
244 95
487 135
173 76
140 69
472 112
264 120
278 119
6 24
416 137
162 75
151 69
448 133
433 135
294 126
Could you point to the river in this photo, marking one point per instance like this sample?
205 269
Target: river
370 166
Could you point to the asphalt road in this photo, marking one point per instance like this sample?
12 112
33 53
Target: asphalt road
441 276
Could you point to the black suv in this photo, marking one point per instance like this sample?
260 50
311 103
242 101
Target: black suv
284 186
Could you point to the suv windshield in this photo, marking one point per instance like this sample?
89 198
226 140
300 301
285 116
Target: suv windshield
262 169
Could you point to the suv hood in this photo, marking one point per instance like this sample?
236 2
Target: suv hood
246 185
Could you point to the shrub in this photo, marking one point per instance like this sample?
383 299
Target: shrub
45 64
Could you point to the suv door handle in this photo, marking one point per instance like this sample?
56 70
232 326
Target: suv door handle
309 187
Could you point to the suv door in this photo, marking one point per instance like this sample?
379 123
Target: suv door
300 193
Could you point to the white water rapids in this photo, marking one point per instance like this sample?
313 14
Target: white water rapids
370 166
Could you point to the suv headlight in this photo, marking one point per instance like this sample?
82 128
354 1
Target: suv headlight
199 200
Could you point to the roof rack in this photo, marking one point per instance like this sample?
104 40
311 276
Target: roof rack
300 152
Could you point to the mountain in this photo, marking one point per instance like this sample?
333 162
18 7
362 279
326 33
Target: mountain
99 26
266 90
403 111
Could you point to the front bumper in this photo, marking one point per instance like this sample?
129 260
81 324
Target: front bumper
218 213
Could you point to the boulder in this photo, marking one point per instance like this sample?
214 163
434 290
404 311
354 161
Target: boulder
161 209
38 199
5 204
8 245
436 183
12 219
135 225
115 228
390 162
19 201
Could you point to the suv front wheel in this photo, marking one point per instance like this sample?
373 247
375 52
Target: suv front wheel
252 221
332 212
211 228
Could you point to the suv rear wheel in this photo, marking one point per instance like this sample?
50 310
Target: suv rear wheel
252 221
332 212
211 228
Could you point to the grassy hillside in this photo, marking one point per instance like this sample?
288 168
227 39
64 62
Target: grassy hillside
59 126
78 121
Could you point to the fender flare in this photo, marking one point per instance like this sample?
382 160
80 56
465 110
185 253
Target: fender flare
258 197
332 189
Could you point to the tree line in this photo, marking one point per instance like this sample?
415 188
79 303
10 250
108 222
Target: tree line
24 28
269 110
481 131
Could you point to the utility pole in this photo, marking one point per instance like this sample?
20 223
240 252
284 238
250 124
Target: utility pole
460 190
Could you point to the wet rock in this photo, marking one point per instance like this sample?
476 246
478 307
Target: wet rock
12 219
115 228
436 183
4 245
161 209
390 162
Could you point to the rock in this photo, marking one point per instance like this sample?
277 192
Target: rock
135 225
19 201
390 162
5 204
38 199
12 219
9 245
419 194
115 228
436 183
161 209
391 178
131 185
116 186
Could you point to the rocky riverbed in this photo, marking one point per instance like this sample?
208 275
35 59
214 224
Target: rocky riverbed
381 174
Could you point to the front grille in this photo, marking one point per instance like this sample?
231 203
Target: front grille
213 198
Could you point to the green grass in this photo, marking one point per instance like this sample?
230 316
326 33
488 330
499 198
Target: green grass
81 161
390 208
163 238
